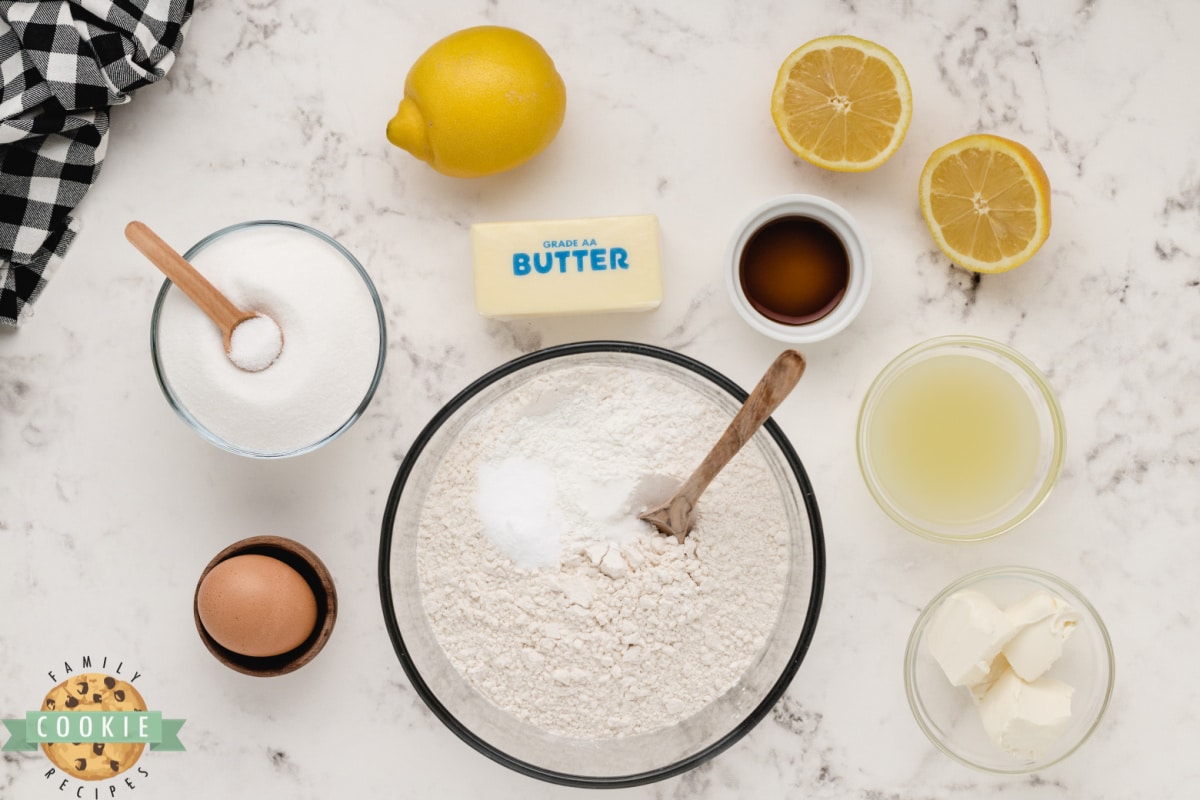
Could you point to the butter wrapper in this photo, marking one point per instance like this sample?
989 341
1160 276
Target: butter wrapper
569 266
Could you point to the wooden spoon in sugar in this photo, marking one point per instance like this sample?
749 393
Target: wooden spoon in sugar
252 341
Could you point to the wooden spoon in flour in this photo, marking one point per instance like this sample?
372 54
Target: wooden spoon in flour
674 517
262 341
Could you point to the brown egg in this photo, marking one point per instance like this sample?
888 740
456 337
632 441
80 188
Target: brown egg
256 605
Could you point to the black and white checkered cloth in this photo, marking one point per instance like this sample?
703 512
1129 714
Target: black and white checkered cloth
63 65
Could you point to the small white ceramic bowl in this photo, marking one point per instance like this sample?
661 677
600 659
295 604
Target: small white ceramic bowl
837 220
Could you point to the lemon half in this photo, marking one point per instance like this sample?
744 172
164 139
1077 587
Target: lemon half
842 103
986 200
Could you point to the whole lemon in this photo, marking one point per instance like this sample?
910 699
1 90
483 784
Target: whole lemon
481 101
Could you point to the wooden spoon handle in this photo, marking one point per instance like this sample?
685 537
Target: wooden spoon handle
210 300
778 381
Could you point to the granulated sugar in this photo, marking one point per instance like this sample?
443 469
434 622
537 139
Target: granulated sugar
324 316
255 344
553 600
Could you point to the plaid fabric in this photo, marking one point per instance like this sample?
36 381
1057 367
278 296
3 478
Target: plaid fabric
63 65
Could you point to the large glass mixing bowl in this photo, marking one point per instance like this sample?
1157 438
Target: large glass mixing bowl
618 760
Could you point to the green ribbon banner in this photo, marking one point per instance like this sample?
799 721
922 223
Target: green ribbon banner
147 727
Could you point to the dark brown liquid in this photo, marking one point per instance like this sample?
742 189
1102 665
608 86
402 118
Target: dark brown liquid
794 270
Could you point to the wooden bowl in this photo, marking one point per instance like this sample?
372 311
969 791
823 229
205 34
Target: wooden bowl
305 562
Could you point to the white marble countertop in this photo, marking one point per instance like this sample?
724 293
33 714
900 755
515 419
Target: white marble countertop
110 506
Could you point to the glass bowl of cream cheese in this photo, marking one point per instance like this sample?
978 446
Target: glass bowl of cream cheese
1009 670
550 628
334 341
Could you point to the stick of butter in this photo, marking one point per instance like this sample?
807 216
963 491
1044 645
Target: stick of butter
569 266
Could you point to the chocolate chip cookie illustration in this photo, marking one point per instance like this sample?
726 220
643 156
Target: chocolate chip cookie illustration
93 761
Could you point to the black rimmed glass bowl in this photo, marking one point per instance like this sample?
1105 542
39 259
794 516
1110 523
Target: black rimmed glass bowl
618 760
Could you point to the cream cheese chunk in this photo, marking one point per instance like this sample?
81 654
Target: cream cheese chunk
998 667
567 266
1001 658
1025 718
1045 622
967 634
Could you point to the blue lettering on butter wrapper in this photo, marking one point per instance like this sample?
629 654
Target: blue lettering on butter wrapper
596 259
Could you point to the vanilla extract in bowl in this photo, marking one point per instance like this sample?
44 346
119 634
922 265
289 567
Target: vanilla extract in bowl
794 270
798 269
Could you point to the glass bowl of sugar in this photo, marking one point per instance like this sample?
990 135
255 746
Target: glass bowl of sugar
334 341
545 624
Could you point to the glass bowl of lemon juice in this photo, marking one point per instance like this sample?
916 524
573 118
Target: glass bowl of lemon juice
960 438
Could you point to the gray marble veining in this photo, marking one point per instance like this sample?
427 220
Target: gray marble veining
110 507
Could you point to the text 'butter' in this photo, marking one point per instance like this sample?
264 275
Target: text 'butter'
570 266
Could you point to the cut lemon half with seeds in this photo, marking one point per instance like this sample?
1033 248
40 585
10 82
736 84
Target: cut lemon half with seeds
842 103
987 202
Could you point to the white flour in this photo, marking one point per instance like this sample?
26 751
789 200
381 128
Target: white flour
553 600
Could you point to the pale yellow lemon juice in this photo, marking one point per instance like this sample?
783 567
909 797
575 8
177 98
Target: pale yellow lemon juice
956 439
960 438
